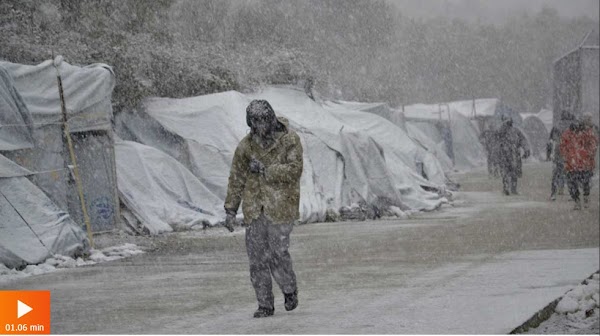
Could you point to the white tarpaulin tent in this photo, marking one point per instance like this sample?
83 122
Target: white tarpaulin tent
483 107
32 227
437 149
381 109
396 151
450 130
399 149
14 113
87 93
342 165
162 193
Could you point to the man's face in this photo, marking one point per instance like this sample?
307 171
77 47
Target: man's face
261 124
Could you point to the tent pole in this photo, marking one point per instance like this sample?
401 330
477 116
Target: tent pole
67 135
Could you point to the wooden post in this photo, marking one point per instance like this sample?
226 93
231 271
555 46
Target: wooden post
67 135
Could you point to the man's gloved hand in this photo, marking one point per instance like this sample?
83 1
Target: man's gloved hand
256 166
526 154
229 221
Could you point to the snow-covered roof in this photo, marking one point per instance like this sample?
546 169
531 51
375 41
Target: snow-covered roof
343 151
469 108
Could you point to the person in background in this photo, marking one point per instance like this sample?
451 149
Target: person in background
578 145
553 149
265 175
510 143
490 143
589 123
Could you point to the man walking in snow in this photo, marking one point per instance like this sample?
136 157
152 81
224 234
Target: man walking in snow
510 142
265 175
578 146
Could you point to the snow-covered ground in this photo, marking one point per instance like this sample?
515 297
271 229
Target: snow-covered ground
577 311
484 264
58 262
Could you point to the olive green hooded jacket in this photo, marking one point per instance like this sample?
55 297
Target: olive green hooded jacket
277 191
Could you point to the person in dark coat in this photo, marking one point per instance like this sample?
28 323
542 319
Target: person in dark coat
488 139
511 142
265 175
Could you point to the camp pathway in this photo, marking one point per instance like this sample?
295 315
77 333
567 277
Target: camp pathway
484 265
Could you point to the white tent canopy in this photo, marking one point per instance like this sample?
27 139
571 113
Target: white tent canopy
465 147
342 165
32 227
87 91
381 109
544 115
437 149
399 149
162 193
16 123
328 121
87 94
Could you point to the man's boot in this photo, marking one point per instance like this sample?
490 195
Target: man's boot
577 205
264 312
586 201
291 300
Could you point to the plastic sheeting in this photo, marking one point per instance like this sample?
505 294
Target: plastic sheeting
162 193
396 145
87 93
11 169
381 109
463 139
16 125
342 165
437 149
328 123
33 228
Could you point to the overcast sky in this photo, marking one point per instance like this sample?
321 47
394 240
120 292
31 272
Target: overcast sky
494 10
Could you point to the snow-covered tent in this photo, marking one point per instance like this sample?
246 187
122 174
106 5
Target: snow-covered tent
381 109
536 133
546 117
397 118
342 165
32 227
161 193
87 92
328 121
437 149
450 130
395 141
485 112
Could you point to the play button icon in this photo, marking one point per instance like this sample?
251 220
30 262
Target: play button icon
22 309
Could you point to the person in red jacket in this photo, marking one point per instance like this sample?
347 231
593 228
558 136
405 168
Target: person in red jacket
578 146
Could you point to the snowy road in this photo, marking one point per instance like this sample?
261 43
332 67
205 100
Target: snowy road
483 266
